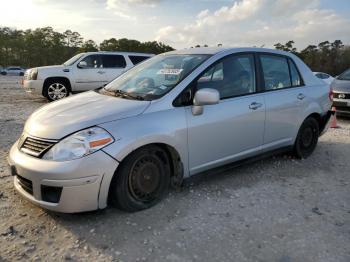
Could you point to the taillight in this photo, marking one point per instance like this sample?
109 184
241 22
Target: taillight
330 94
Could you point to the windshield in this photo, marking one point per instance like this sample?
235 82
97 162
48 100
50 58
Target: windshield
72 60
154 77
345 75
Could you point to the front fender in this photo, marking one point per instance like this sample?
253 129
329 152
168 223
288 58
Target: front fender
166 127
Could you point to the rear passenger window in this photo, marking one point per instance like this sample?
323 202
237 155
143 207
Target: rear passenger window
294 74
113 61
232 76
276 72
135 59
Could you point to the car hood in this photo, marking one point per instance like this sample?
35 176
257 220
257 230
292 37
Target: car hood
341 86
57 69
61 118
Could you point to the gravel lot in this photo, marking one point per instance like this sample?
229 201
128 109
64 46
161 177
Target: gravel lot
278 209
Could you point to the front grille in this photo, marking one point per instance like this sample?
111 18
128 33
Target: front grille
26 184
36 147
341 95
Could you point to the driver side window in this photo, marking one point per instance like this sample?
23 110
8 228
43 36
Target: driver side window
232 76
92 61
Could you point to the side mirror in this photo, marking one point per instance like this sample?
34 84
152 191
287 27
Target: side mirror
82 64
205 96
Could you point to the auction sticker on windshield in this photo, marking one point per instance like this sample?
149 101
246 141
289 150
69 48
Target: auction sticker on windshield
169 71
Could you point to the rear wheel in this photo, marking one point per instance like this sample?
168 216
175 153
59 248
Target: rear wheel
56 89
307 138
142 179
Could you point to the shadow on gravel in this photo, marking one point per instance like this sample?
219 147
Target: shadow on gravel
111 227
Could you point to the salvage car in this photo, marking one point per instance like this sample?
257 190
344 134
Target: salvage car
341 89
83 72
171 117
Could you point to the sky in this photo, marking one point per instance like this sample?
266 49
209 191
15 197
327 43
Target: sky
186 23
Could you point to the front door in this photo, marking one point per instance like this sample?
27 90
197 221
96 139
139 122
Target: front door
232 129
90 75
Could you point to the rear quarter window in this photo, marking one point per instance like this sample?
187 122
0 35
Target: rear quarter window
294 74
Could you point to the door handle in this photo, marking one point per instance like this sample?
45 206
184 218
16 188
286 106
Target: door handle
301 96
101 72
255 105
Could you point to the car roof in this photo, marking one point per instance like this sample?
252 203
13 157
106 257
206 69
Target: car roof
216 50
120 53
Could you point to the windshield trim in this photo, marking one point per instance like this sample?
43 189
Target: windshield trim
151 97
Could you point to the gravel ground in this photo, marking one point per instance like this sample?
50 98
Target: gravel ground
278 209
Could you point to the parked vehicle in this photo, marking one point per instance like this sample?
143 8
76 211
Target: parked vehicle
13 71
325 77
83 72
173 116
341 90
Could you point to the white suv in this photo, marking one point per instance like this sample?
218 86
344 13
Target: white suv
85 71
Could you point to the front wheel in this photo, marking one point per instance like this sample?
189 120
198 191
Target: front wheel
307 138
142 179
55 90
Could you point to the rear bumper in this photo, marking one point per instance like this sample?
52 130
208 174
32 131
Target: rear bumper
325 122
33 86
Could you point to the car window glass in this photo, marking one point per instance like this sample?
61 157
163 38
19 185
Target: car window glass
232 76
92 61
275 71
135 59
156 76
325 76
345 75
113 61
294 74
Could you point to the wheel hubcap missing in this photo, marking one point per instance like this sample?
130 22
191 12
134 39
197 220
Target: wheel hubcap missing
144 179
57 91
307 137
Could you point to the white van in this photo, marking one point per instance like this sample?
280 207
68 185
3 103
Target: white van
83 72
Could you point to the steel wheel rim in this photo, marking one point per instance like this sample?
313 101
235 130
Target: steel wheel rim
57 91
307 137
145 179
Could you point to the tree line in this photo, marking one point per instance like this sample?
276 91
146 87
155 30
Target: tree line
44 46
332 58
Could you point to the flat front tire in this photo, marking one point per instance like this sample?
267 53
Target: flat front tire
142 179
307 138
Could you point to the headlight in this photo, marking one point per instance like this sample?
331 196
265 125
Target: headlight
79 144
33 74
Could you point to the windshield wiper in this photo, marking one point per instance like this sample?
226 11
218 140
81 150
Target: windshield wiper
126 94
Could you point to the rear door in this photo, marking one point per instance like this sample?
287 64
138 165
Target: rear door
89 76
232 129
113 66
285 99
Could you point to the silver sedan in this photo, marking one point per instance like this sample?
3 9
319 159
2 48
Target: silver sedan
170 117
